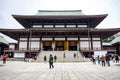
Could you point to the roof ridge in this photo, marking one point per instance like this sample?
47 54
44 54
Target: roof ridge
59 10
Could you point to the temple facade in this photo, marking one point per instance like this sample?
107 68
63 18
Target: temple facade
70 30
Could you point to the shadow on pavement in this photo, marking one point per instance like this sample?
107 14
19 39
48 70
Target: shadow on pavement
2 65
117 65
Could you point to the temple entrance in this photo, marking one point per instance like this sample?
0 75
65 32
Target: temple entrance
59 46
72 45
47 45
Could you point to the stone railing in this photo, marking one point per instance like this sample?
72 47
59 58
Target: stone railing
103 48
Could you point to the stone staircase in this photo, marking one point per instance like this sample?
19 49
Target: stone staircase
62 56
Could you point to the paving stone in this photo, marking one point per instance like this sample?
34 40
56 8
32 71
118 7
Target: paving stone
18 70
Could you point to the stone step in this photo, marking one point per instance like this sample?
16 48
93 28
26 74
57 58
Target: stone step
69 56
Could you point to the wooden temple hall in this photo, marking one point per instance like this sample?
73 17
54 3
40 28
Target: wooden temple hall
69 30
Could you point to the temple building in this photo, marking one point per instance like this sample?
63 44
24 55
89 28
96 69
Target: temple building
3 44
62 30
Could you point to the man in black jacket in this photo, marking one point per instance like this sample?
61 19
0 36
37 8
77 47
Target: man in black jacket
51 61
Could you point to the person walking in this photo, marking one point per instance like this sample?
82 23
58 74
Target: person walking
64 55
108 59
93 59
35 57
98 58
55 58
74 55
113 58
45 59
103 60
117 58
51 61
4 57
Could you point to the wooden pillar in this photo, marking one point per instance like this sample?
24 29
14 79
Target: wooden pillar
40 43
66 45
91 36
18 42
101 42
78 43
28 41
54 45
53 42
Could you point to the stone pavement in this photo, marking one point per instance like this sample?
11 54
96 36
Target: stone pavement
16 70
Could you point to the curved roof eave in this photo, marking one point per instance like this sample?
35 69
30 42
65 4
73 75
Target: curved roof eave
28 20
4 41
116 40
105 33
15 33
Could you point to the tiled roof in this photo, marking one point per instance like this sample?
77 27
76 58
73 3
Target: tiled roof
116 40
59 13
2 40
106 43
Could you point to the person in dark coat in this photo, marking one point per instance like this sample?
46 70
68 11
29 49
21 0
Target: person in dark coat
93 59
51 61
74 55
55 58
117 58
64 56
108 59
45 58
98 58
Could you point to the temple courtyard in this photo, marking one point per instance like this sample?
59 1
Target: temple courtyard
19 70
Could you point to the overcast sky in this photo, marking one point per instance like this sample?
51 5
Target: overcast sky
88 7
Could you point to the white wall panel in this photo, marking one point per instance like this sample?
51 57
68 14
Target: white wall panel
19 55
72 39
23 45
34 45
60 39
23 39
12 46
82 26
48 26
95 38
84 38
47 39
34 39
37 26
96 44
59 25
70 25
84 44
